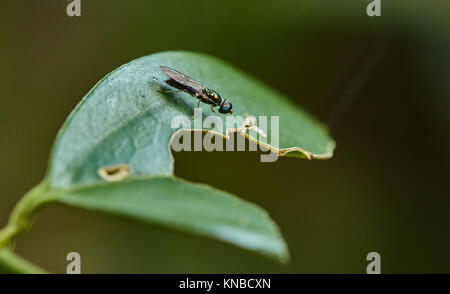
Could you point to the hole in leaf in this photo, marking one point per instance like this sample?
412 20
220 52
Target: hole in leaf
114 173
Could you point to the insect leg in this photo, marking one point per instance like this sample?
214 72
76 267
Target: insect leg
198 104
212 109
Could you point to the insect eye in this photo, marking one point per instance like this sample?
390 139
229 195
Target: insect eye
225 107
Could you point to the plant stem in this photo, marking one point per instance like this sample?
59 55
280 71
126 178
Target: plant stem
12 263
19 221
23 213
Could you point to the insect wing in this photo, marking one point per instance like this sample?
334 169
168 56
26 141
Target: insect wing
183 79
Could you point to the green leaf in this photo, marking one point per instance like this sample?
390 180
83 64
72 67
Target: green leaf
124 121
195 208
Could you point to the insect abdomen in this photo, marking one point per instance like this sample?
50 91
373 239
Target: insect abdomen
175 84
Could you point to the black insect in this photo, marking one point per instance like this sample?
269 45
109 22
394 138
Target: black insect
186 84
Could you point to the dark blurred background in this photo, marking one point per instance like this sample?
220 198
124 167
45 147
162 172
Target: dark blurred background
381 83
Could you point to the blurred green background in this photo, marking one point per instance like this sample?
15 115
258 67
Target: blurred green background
381 83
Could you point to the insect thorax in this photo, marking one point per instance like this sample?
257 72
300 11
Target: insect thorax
213 95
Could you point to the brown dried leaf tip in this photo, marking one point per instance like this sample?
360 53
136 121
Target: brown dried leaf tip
114 173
